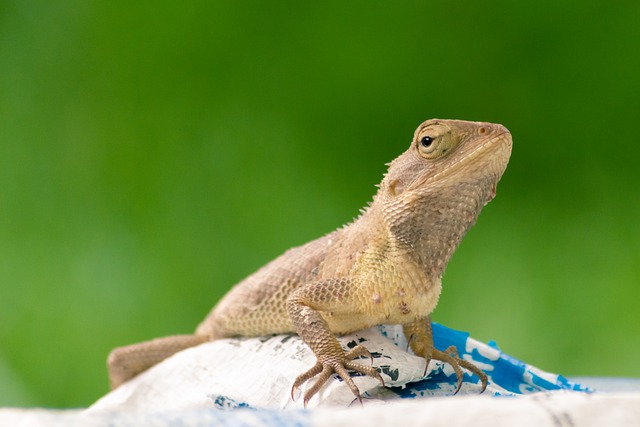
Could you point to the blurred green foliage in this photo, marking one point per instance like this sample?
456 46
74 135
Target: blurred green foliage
152 154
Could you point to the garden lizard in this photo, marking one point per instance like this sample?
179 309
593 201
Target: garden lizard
385 267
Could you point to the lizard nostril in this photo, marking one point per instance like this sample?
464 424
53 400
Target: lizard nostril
482 130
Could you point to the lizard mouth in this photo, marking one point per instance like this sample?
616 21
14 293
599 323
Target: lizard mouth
488 157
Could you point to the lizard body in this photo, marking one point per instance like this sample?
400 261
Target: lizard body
383 268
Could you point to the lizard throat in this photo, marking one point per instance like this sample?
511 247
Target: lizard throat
438 222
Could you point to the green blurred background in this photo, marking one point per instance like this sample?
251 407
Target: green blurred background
152 154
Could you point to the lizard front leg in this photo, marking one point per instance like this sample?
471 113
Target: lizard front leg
420 337
304 307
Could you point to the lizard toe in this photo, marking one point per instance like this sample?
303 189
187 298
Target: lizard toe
323 369
325 373
358 351
302 378
450 356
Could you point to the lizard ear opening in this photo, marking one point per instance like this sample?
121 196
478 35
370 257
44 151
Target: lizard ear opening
396 187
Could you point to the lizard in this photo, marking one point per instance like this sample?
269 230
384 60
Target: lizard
385 267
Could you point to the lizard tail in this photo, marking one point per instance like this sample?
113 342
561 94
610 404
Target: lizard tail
126 362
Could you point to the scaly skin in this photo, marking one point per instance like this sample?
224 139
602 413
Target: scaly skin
383 268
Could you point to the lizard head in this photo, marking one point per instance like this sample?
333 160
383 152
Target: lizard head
447 175
446 152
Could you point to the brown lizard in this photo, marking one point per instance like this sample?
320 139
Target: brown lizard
383 268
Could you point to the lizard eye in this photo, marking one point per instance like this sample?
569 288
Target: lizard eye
428 146
426 141
435 143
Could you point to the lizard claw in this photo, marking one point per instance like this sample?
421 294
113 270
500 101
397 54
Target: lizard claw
450 356
329 366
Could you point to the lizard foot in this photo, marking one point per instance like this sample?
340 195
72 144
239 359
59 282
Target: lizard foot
329 365
450 356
